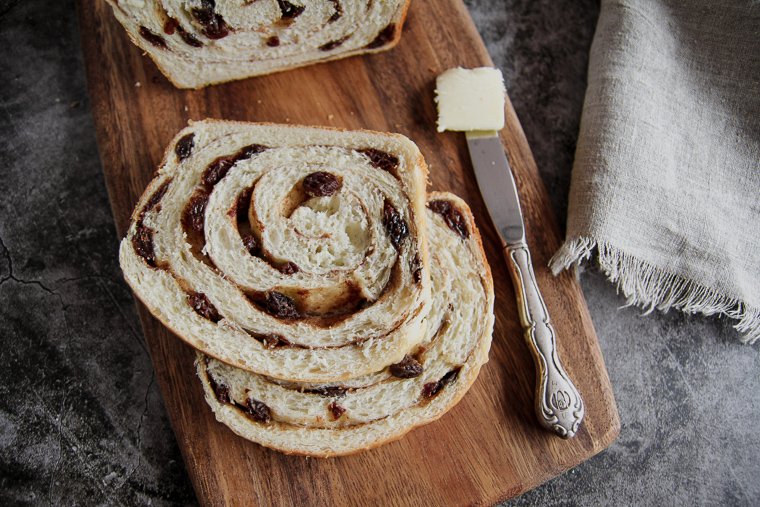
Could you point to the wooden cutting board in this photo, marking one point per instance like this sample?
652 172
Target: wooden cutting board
487 448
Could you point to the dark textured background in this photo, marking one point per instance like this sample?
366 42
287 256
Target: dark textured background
81 419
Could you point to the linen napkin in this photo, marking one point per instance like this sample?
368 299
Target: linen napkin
665 187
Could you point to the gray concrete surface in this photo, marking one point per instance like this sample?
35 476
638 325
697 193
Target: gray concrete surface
81 419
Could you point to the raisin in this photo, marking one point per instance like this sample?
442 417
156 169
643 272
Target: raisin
221 391
338 11
194 216
407 368
258 411
431 389
384 37
216 170
185 146
394 224
190 39
250 243
416 268
272 341
452 216
336 410
289 10
329 46
203 307
450 376
381 159
328 391
281 306
248 151
155 198
214 26
273 41
320 184
170 26
142 242
289 268
153 38
242 204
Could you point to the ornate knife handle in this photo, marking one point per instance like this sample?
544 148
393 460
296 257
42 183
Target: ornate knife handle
558 404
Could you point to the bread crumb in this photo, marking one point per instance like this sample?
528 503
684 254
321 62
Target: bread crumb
330 116
138 84
258 101
187 108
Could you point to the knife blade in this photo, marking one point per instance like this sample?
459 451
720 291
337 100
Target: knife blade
497 184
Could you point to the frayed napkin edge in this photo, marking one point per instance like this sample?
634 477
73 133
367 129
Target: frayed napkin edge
652 288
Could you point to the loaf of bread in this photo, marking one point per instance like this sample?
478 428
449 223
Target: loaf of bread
344 417
200 42
297 253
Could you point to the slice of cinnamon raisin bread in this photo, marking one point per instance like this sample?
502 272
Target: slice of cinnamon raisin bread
200 42
360 413
298 253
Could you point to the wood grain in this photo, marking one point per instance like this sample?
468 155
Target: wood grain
487 448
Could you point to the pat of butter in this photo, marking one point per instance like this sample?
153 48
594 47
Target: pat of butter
470 99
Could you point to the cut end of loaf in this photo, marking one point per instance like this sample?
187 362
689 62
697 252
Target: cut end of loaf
295 252
215 43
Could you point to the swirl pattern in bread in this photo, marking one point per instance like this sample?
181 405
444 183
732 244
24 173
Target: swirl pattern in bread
360 413
200 42
297 253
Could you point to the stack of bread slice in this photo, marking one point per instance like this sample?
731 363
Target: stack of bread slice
333 304
200 42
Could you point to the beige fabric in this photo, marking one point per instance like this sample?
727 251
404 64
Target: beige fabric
666 183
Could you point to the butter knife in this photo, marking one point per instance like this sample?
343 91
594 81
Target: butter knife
559 406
